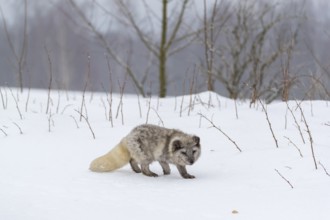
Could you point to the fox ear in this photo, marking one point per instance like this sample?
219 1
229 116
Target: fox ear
176 145
196 139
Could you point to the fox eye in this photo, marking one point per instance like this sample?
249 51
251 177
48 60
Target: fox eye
194 151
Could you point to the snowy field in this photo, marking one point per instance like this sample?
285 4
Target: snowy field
44 158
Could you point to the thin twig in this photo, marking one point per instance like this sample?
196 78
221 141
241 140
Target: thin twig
75 121
17 107
309 134
19 128
284 178
65 107
2 99
294 145
216 127
3 132
110 90
27 100
270 125
50 78
325 170
121 103
296 122
148 111
87 121
236 112
50 120
162 122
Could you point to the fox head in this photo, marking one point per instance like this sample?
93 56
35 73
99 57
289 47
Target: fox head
186 150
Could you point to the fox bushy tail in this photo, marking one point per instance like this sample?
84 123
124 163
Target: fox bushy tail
118 157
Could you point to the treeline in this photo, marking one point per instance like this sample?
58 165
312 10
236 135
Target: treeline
243 49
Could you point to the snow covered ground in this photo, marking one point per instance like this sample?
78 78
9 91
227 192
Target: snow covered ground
44 171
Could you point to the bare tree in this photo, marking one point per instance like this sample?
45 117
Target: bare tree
100 36
172 40
19 53
213 26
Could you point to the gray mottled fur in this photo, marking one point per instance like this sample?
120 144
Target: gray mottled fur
148 143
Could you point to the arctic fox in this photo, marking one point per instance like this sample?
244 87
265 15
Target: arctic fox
148 143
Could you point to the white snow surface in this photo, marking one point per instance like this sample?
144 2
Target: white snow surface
44 174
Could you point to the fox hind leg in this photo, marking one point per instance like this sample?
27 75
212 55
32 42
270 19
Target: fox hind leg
146 171
135 166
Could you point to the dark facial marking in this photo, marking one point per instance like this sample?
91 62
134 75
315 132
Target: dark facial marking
177 145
